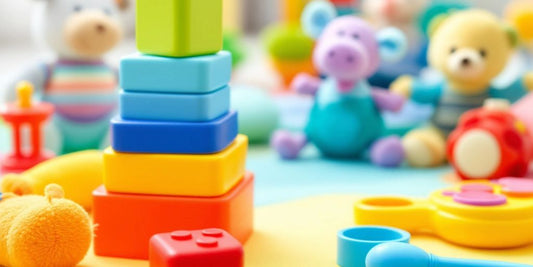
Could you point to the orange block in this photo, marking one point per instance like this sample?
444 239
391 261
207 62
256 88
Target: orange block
289 69
125 222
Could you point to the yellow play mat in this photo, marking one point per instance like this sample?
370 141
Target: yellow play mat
303 233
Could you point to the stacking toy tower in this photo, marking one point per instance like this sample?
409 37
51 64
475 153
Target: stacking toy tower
176 161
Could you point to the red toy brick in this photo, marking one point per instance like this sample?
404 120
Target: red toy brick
126 222
200 248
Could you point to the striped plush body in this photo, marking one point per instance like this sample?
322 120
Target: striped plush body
85 97
451 105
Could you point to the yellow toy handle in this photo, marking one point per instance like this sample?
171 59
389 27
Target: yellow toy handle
410 215
24 94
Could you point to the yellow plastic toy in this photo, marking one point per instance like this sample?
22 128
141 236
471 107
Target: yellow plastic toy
519 13
43 231
492 215
176 174
78 173
232 18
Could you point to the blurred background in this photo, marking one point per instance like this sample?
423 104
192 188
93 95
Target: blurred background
18 49
15 16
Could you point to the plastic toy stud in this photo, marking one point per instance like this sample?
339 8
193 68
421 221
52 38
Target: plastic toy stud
397 254
23 114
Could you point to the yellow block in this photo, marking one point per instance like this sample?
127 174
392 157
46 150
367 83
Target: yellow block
176 174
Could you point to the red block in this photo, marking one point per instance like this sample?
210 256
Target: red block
201 248
343 2
126 222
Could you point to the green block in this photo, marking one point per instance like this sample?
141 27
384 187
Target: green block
233 44
179 28
288 42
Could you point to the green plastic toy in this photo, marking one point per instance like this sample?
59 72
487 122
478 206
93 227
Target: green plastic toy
179 28
233 43
288 42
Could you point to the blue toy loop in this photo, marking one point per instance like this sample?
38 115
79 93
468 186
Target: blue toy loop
316 16
392 44
354 243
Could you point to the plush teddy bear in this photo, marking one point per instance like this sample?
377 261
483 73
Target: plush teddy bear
79 83
345 121
470 48
43 231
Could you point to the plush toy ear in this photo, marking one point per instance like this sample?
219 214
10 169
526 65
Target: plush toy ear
392 44
512 34
435 23
122 4
316 16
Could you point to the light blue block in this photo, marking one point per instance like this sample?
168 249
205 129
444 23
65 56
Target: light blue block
190 75
174 107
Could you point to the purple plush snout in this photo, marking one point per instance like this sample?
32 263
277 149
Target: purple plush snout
347 50
344 59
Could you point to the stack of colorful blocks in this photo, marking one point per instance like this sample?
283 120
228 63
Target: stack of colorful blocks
177 161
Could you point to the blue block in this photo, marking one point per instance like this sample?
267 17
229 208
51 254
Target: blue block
174 107
190 75
136 136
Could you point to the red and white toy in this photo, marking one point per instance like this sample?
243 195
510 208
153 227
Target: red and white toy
492 142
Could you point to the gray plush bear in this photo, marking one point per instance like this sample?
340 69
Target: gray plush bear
78 82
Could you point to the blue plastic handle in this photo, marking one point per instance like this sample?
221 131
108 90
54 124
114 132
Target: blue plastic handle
396 254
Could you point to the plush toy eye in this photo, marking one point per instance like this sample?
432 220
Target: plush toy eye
453 49
78 8
483 53
355 36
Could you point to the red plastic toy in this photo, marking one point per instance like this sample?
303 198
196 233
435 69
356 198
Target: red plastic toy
21 114
490 143
201 248
126 222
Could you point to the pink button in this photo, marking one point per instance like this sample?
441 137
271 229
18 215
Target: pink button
480 199
207 242
181 235
517 186
477 188
213 232
449 193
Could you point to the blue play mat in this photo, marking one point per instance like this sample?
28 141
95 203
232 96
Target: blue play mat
280 181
